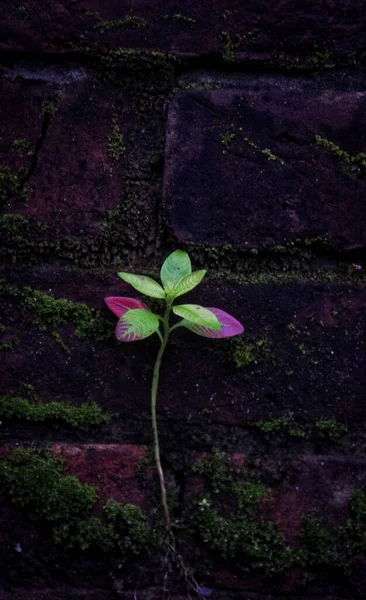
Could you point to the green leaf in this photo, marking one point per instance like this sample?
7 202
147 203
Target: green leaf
143 284
136 324
175 267
188 283
198 315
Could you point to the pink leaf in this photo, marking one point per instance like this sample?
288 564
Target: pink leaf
119 305
229 326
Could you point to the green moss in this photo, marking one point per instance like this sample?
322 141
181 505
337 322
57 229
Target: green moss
49 106
33 479
10 184
266 151
20 147
331 428
275 425
116 146
242 536
226 139
351 162
231 45
129 528
89 413
13 227
245 353
9 345
130 21
318 545
89 323
181 17
214 468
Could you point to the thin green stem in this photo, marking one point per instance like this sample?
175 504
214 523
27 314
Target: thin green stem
154 391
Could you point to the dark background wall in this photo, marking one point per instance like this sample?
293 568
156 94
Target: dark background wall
237 131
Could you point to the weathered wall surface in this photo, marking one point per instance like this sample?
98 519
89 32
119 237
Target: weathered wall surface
238 133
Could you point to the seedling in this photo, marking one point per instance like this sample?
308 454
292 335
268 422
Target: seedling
136 322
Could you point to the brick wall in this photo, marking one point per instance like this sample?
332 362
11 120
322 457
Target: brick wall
237 133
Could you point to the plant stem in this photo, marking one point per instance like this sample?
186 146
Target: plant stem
154 390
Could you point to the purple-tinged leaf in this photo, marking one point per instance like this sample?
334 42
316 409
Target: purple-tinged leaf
229 326
136 324
198 315
119 304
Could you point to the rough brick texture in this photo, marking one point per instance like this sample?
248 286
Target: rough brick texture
236 131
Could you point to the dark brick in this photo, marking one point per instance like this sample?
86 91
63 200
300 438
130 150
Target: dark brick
226 190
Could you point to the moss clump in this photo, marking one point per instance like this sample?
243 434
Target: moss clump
89 413
266 151
13 227
33 479
20 147
49 311
331 428
181 17
10 345
49 106
130 21
243 536
10 184
274 425
318 545
351 163
116 146
226 139
231 45
246 353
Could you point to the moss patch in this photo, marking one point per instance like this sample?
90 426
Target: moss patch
89 413
116 147
352 163
33 479
242 535
227 520
89 323
245 353
331 428
10 184
130 21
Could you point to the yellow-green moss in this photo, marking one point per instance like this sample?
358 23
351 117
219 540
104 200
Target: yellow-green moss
231 44
49 106
130 21
181 17
10 344
10 184
247 352
33 479
89 413
350 162
20 147
242 535
116 147
89 322
331 428
226 139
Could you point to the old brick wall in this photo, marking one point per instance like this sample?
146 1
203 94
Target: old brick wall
236 131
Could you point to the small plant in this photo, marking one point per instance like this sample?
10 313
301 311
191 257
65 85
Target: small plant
137 322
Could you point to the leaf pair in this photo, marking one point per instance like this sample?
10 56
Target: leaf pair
176 276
